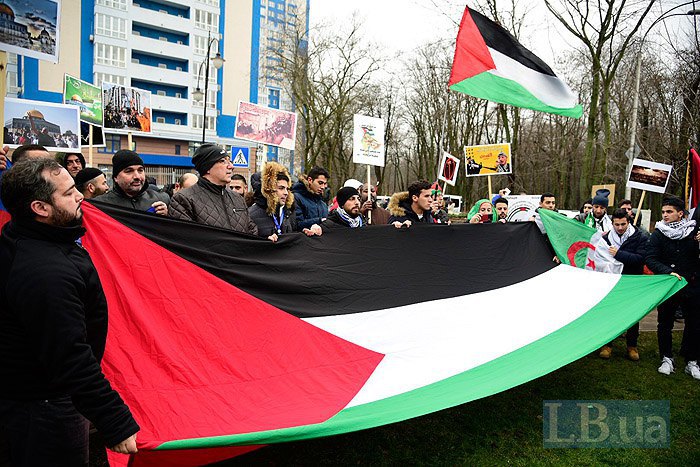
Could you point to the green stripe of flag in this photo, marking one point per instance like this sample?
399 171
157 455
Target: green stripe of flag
630 300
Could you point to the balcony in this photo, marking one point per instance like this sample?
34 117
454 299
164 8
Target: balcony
170 104
161 20
158 75
158 47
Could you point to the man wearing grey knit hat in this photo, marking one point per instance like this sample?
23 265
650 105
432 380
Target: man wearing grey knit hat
209 201
130 186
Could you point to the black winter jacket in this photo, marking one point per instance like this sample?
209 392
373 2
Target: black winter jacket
631 253
334 221
664 256
140 202
53 325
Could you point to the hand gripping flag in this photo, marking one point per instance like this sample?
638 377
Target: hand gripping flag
490 63
220 342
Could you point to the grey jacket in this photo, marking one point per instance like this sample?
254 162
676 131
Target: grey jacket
215 205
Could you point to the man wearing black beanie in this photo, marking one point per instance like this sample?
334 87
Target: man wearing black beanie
130 186
210 201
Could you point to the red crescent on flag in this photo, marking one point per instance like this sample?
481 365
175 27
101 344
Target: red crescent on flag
575 248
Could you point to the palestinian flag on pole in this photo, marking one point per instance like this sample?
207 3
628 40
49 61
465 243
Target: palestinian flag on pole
221 342
692 180
490 63
577 244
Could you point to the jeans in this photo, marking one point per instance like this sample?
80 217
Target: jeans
690 344
43 433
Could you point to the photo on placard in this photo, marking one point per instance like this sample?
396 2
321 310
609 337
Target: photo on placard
488 159
126 108
54 126
368 140
98 135
30 28
649 176
86 97
265 125
449 168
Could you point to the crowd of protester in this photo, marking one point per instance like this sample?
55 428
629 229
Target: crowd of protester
43 194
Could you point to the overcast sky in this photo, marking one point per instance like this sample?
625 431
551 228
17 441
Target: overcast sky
402 25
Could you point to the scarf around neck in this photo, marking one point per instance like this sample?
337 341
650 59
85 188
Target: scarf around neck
676 230
618 240
353 222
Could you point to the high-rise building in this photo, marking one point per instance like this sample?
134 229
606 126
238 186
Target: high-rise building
161 46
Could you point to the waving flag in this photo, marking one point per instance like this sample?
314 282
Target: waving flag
221 342
692 180
578 245
490 63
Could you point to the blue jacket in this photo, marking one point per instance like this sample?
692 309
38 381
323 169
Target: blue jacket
310 207
631 254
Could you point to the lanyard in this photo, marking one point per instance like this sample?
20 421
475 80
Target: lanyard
278 223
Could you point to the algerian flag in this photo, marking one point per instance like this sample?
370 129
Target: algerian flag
491 64
577 244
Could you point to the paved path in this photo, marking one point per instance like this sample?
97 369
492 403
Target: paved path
648 323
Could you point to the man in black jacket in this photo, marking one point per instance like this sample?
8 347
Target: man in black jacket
414 206
131 190
627 245
53 327
673 249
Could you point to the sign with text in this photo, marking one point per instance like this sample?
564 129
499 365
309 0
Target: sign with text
368 140
522 207
488 159
649 176
449 167
86 97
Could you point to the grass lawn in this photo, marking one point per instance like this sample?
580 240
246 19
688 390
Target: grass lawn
507 428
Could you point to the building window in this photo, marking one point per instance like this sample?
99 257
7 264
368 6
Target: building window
177 149
273 98
178 121
178 95
200 45
110 26
110 55
117 4
197 122
272 153
107 78
160 119
211 100
206 20
113 143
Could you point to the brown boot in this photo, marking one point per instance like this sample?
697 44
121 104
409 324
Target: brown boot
605 352
633 354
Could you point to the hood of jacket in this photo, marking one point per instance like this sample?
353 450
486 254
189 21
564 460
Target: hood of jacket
61 158
302 188
399 203
264 186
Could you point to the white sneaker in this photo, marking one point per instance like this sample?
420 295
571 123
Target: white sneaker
666 367
692 369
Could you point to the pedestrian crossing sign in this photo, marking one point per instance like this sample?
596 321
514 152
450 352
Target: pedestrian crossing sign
240 156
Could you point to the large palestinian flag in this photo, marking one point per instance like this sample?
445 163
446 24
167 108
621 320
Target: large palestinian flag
490 63
221 342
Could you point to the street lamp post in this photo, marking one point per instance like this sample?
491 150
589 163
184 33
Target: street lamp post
218 62
637 76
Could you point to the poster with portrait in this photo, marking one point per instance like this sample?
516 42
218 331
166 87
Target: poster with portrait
368 140
265 125
488 159
30 28
449 167
86 97
649 176
125 108
54 126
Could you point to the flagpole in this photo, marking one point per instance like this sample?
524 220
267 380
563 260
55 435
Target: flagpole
488 196
369 193
3 92
687 181
129 139
90 144
639 208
